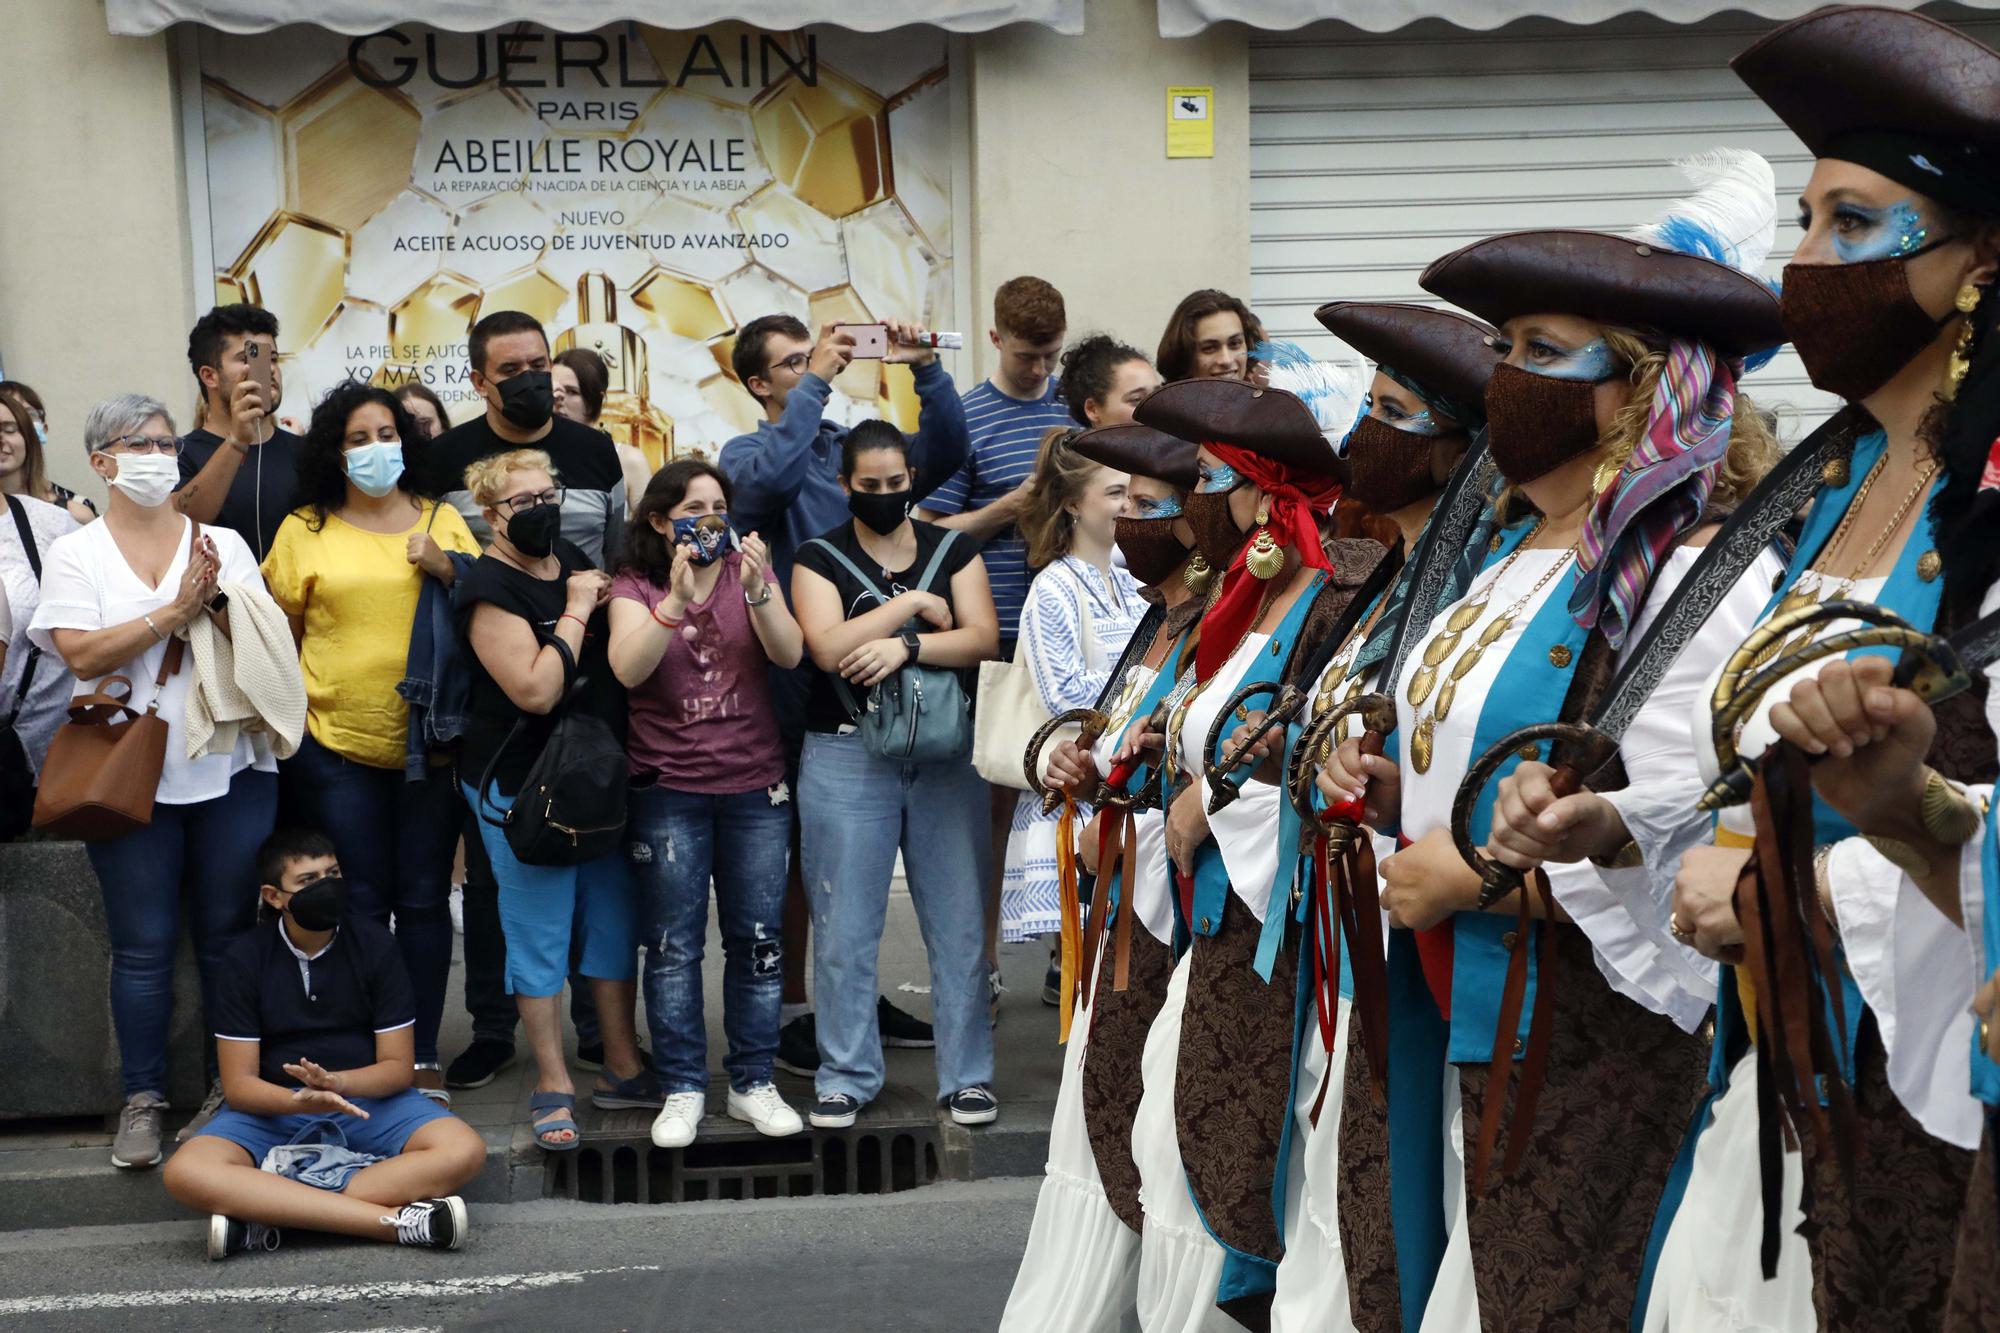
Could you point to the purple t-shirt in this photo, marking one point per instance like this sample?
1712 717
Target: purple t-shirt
703 721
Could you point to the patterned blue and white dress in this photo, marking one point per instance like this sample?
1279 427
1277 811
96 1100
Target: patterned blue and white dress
1070 668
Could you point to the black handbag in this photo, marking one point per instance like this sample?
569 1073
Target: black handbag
17 777
571 806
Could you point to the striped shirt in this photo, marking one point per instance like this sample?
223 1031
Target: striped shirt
1006 433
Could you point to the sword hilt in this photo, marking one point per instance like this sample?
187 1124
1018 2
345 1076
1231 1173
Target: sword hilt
1591 750
1223 784
1091 725
1378 719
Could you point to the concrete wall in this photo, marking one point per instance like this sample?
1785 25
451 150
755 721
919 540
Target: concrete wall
1071 178
96 292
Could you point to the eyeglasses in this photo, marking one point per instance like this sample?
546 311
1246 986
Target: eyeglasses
515 504
796 363
170 445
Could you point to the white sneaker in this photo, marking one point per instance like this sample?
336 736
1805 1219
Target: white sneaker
675 1125
764 1107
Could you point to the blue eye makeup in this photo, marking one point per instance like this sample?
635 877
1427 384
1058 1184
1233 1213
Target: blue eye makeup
1221 477
1862 234
1592 362
1166 506
1417 423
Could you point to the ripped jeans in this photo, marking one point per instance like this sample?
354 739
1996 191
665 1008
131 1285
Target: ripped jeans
678 841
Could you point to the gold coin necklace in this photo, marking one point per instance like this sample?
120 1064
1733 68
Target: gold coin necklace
1423 737
1178 715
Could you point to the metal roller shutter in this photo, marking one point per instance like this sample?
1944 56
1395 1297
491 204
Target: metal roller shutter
1372 154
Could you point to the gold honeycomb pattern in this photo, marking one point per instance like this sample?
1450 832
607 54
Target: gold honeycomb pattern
338 205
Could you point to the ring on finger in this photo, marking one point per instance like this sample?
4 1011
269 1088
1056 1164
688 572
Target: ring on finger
1677 930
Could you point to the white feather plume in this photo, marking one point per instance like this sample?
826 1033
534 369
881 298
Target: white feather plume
1335 390
1732 216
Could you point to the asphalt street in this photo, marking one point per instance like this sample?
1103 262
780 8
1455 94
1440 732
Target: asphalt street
939 1258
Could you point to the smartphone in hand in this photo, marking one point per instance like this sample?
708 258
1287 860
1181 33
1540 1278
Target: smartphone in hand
871 341
263 369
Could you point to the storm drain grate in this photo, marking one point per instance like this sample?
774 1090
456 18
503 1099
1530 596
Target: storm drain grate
883 1159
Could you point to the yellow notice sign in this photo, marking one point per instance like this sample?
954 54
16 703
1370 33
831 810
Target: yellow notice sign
1191 122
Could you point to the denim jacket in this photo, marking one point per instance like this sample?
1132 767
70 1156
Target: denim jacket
434 682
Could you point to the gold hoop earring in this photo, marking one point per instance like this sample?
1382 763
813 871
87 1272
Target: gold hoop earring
1961 354
1265 557
1197 573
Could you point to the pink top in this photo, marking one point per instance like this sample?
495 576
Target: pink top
703 720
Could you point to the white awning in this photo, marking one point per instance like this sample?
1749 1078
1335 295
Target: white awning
1185 18
134 18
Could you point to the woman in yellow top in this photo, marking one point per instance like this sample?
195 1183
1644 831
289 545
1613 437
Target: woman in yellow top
348 566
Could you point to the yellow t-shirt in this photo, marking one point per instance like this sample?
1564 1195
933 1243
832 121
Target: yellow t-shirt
357 593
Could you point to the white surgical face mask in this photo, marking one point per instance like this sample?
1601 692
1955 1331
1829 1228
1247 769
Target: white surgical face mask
147 478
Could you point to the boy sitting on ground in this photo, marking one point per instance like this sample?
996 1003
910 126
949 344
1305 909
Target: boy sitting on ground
314 1020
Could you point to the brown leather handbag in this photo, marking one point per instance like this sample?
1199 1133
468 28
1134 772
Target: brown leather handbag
103 767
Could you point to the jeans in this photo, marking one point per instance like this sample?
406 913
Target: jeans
492 1010
395 839
207 853
854 812
543 907
679 840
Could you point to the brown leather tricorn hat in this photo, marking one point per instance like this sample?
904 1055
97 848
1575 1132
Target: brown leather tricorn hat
1613 280
1131 447
1443 351
1896 92
1268 422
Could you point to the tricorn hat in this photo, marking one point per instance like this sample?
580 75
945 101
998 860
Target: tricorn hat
1443 354
1896 92
1142 450
1268 422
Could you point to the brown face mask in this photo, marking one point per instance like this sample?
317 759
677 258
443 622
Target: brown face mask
1389 469
1216 535
1854 325
1152 552
1536 423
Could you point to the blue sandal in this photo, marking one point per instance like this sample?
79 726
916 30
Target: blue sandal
556 1101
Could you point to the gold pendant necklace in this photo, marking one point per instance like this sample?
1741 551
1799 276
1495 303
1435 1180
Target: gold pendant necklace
1456 624
1423 737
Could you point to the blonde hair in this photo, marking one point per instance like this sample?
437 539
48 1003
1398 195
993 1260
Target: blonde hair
1060 476
487 478
1753 447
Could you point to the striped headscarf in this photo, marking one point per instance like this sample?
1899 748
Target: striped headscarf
1660 492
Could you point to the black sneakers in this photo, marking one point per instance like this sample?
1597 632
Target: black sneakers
480 1064
901 1029
835 1111
227 1236
431 1224
975 1105
798 1047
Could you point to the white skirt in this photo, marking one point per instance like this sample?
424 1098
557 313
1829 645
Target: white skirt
1312 1277
1454 1303
1180 1264
1709 1277
1081 1269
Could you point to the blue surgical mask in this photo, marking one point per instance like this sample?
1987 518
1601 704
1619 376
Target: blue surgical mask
41 433
709 534
375 468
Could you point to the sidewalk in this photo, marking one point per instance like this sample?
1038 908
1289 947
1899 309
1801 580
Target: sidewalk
58 1172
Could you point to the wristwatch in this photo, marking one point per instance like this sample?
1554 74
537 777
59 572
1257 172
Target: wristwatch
218 603
910 641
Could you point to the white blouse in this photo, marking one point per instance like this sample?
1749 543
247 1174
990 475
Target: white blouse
20 594
87 585
1147 890
1245 830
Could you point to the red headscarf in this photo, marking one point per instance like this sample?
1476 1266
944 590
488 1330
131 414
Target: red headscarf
1293 498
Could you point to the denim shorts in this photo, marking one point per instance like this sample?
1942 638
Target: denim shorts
390 1122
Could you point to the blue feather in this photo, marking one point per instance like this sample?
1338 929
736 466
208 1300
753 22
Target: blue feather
1691 238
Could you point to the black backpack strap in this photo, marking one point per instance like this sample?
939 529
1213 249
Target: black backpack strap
937 560
521 724
27 531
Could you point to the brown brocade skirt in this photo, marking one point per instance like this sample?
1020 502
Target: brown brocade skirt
1883 1245
1974 1303
1367 1239
1119 1021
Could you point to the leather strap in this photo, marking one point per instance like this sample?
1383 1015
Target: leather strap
21 525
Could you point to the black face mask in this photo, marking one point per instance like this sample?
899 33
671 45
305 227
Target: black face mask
1536 423
528 399
881 512
533 530
1216 535
318 905
1854 325
1152 551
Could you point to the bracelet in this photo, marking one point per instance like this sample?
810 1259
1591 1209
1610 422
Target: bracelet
571 615
1948 813
664 622
158 633
1821 855
1625 858
758 601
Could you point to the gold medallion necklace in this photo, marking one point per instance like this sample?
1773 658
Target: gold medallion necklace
1423 737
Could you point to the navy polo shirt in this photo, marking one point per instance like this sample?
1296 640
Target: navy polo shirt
327 1007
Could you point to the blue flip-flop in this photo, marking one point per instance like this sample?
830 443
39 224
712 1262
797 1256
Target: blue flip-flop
553 1101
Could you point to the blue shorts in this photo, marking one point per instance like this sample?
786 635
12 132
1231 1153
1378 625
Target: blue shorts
390 1122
